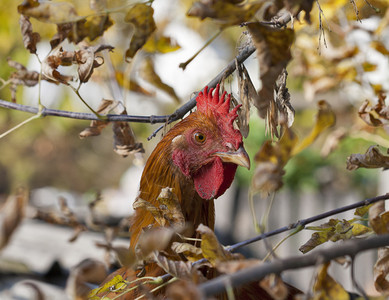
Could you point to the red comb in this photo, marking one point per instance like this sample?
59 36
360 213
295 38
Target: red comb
219 107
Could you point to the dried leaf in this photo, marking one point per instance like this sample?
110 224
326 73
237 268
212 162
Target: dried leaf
59 57
30 38
191 252
379 218
96 127
228 13
248 95
232 266
381 271
124 139
326 287
275 287
176 268
212 250
11 215
141 16
88 271
334 230
155 239
161 44
50 12
148 73
273 48
377 115
325 118
87 60
373 158
271 160
184 290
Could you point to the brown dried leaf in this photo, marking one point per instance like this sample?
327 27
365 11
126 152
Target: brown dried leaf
248 95
87 60
191 252
50 12
87 271
381 271
373 158
212 250
379 218
141 16
273 48
148 73
326 287
156 212
377 115
170 208
229 267
96 127
155 239
184 290
30 38
275 287
11 215
176 268
59 57
271 160
228 13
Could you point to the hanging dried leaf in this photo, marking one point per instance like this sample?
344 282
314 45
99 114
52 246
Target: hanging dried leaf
87 60
376 115
141 16
248 95
228 13
184 290
191 252
373 158
96 127
326 287
325 118
176 268
30 38
271 160
11 215
273 53
334 230
212 250
59 57
274 286
87 271
161 44
148 73
381 271
50 12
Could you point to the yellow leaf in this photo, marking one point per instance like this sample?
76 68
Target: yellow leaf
115 284
326 288
212 250
324 119
361 211
141 16
161 44
190 251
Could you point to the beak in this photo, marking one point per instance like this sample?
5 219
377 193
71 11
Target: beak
238 157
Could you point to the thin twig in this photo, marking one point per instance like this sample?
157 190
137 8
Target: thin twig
350 247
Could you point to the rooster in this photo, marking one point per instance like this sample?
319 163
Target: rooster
198 159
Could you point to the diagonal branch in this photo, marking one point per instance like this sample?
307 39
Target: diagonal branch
350 248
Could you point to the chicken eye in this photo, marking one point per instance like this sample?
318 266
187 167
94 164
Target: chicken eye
199 137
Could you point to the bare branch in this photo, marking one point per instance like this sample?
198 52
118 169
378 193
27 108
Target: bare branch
350 248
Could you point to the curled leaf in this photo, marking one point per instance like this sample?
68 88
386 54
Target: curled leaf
381 271
376 115
141 16
373 158
59 57
176 268
379 218
30 38
191 252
